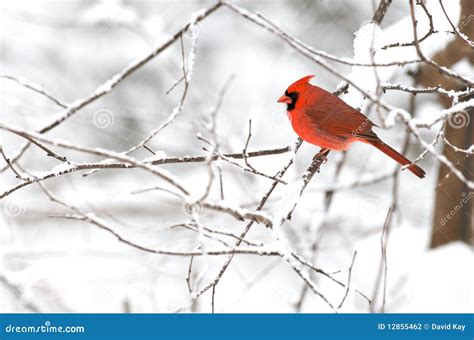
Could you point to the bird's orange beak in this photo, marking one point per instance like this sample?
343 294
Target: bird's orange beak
284 99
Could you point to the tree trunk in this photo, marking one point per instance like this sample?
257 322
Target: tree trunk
453 209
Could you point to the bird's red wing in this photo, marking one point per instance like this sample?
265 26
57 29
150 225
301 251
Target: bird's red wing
332 115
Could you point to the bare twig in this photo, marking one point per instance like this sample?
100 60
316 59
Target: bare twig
214 143
430 62
10 165
117 78
18 293
74 167
35 88
219 232
430 32
463 37
188 277
213 298
247 228
382 276
316 163
48 151
348 285
100 152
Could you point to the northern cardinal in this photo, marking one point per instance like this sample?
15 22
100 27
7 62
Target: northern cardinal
321 118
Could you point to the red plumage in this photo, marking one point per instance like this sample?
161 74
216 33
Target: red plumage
321 118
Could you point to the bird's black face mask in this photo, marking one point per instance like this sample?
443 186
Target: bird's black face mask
294 97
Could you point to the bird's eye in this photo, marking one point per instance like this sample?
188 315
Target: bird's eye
293 95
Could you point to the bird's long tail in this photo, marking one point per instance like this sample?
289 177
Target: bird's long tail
399 158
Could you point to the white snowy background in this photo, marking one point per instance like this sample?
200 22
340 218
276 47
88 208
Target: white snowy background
71 48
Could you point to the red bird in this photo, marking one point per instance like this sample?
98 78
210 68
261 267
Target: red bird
321 118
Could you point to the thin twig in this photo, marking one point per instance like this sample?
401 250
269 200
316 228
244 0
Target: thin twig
74 167
213 298
110 84
430 62
35 88
10 165
314 167
456 31
348 285
188 277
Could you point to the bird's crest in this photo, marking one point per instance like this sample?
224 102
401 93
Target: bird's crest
300 85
